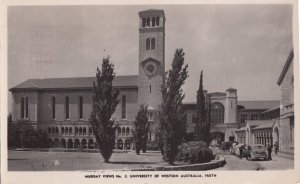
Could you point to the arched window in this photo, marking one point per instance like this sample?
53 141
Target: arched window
123 130
84 130
152 43
80 130
62 130
76 130
70 130
56 130
127 130
153 21
148 22
144 22
119 130
49 130
148 44
53 130
157 21
66 130
217 113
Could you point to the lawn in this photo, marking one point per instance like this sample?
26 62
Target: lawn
70 161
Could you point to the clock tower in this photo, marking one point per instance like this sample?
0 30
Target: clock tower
151 59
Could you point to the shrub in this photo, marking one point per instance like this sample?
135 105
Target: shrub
194 152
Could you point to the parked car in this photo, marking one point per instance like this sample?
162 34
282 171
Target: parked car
257 151
246 151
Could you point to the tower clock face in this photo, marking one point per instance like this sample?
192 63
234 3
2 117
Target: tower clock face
150 68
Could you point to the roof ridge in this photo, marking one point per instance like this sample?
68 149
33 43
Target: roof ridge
76 77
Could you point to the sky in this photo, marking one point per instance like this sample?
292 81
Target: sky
239 46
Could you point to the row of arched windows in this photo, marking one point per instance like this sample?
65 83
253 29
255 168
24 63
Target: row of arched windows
123 130
150 21
80 130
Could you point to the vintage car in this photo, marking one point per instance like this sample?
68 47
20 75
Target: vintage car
257 151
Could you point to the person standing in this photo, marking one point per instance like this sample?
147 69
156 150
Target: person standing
269 148
276 147
241 151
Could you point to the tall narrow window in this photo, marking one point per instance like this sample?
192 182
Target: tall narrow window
123 107
157 21
144 22
148 22
217 113
80 107
26 107
148 44
67 108
152 43
153 21
150 88
22 107
53 107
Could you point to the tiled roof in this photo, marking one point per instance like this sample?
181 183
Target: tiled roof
259 104
257 122
217 94
74 83
268 124
272 109
151 11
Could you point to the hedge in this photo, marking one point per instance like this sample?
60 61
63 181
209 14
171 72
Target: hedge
194 152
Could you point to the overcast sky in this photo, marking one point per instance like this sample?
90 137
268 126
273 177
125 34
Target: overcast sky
239 46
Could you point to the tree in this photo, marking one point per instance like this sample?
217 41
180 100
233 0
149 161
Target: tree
140 133
171 114
200 112
105 101
202 129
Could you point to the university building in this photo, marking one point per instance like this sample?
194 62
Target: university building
276 124
62 106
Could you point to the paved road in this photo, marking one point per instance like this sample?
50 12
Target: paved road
235 163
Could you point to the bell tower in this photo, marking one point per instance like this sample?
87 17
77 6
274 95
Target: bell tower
151 56
151 62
